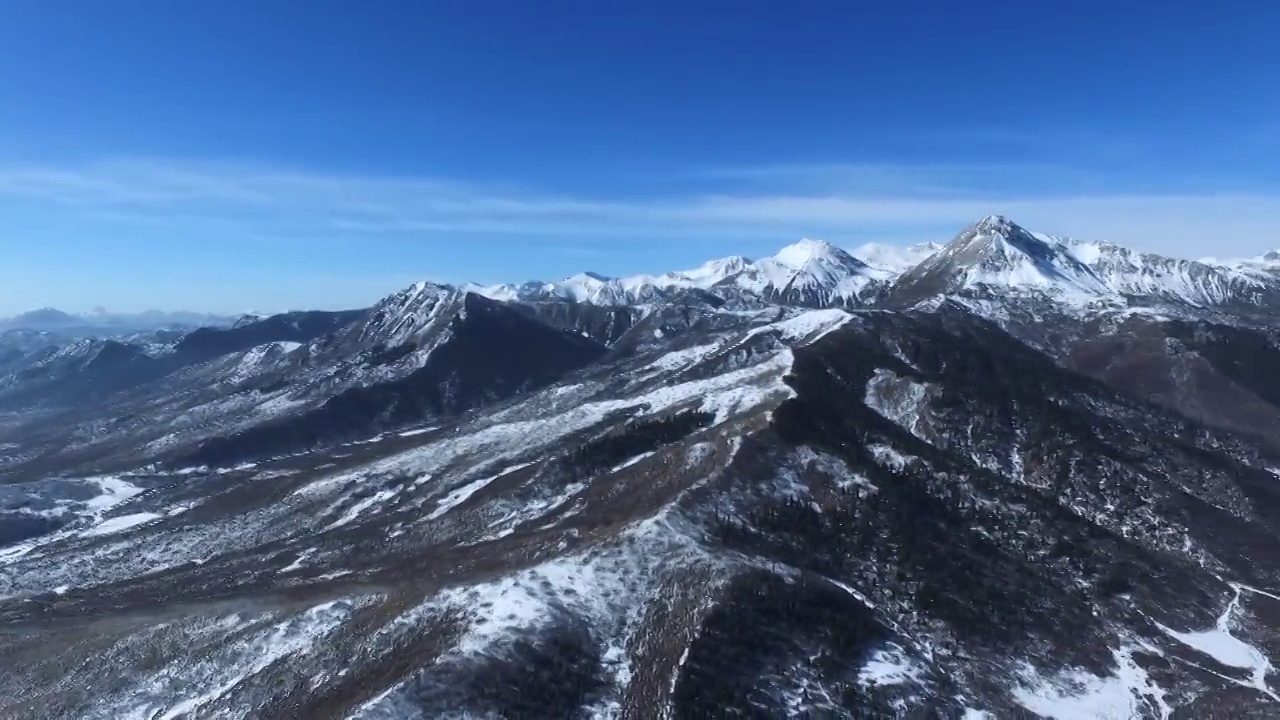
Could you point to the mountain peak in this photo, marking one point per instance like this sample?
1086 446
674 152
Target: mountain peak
427 286
731 263
709 272
588 276
806 250
42 318
996 236
996 225
995 252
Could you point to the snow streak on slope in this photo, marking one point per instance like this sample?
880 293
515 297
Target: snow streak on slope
460 495
121 523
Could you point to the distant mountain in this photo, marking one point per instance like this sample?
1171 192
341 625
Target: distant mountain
42 319
893 260
1147 275
808 273
103 323
294 327
596 289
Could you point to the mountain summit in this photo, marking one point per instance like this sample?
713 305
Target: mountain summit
810 273
996 254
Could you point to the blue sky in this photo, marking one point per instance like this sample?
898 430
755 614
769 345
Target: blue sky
278 154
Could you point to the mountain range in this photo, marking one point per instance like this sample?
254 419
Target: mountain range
1012 475
994 253
101 323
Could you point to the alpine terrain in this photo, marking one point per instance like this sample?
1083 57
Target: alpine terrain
1009 476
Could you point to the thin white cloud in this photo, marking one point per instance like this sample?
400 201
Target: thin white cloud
886 202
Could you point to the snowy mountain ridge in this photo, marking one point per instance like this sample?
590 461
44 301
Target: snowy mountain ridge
994 255
808 269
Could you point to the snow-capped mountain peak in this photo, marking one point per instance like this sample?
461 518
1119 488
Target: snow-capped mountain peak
708 273
809 272
408 314
997 254
997 239
802 253
893 260
583 287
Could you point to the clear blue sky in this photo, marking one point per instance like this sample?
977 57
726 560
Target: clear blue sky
272 154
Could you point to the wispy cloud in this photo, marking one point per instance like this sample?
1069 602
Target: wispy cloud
839 202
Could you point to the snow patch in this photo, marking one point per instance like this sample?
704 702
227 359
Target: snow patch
842 476
1219 644
1079 695
608 587
120 523
890 457
114 492
891 666
298 562
899 399
355 510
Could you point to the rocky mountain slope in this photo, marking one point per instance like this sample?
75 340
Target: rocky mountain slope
1014 475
